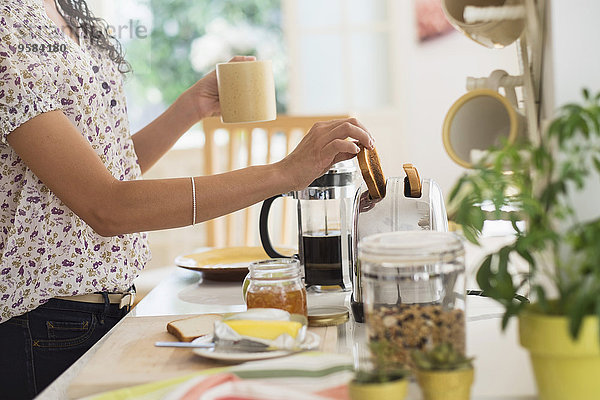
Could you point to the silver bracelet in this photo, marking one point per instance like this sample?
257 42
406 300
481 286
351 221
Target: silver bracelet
194 201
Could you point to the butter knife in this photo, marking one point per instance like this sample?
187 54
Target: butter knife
189 345
224 346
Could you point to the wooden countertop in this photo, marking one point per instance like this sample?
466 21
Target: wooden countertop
502 368
129 357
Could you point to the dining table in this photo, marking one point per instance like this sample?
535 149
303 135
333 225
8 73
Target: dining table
127 356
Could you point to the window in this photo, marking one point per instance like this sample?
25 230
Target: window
183 40
339 56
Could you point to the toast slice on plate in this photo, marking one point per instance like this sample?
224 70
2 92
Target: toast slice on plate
188 329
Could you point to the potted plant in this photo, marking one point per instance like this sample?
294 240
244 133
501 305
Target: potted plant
382 379
534 183
443 373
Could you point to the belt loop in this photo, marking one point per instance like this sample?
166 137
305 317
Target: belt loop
106 307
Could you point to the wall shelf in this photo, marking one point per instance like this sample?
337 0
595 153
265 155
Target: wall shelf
529 52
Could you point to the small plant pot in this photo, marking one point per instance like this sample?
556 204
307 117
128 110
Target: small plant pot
395 390
563 368
446 385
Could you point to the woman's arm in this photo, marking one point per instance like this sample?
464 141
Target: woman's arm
64 160
198 102
158 137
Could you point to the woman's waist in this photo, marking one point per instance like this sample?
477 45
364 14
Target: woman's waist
52 259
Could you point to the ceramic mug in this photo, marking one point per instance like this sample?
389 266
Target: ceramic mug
246 91
496 33
480 119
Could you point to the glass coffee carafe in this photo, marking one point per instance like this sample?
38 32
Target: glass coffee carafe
324 228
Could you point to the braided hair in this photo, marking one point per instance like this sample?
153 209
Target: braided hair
78 16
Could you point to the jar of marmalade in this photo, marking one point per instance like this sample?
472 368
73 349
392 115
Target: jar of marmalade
277 283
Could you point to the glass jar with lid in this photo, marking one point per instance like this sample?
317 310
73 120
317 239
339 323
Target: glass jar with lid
413 292
277 283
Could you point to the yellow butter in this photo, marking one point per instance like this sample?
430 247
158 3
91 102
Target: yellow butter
268 330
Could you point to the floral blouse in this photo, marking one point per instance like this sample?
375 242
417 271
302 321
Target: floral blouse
45 249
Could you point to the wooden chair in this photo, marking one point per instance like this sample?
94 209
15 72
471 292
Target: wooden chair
231 146
227 147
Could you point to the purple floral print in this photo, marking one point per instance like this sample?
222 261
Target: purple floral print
45 249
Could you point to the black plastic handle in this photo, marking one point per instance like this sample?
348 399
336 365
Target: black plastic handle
265 240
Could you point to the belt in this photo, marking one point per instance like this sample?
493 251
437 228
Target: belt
122 299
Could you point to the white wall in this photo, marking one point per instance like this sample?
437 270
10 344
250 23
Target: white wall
426 78
574 48
573 62
98 7
429 77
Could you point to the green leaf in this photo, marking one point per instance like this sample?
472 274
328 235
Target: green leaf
540 183
579 308
526 256
471 234
504 285
457 187
575 320
597 163
483 274
555 128
513 222
593 117
541 299
505 318
510 312
581 123
586 93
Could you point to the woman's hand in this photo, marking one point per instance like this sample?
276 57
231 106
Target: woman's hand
203 96
196 103
324 145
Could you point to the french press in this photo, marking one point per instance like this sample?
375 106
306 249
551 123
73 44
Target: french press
324 228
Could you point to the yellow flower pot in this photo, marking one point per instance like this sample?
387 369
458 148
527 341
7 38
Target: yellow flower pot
446 385
564 369
395 390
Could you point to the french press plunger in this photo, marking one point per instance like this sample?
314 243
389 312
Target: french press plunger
324 228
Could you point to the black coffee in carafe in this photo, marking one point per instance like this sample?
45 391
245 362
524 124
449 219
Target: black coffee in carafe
325 215
323 259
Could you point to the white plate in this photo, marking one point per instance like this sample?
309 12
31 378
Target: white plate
311 341
229 264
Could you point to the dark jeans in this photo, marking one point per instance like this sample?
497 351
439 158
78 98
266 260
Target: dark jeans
35 348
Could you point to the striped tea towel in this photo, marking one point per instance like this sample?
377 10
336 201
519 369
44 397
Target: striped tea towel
303 376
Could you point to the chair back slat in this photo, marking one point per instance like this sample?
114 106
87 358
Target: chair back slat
209 135
241 228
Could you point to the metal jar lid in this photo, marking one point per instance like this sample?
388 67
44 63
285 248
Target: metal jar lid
328 315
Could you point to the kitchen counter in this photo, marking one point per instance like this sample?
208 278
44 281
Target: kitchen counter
502 368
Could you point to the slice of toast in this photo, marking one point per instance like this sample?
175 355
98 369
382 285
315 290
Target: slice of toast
370 167
188 329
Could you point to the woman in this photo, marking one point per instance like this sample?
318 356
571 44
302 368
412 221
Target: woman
73 204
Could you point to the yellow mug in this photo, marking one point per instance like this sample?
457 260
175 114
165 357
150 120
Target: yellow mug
246 91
